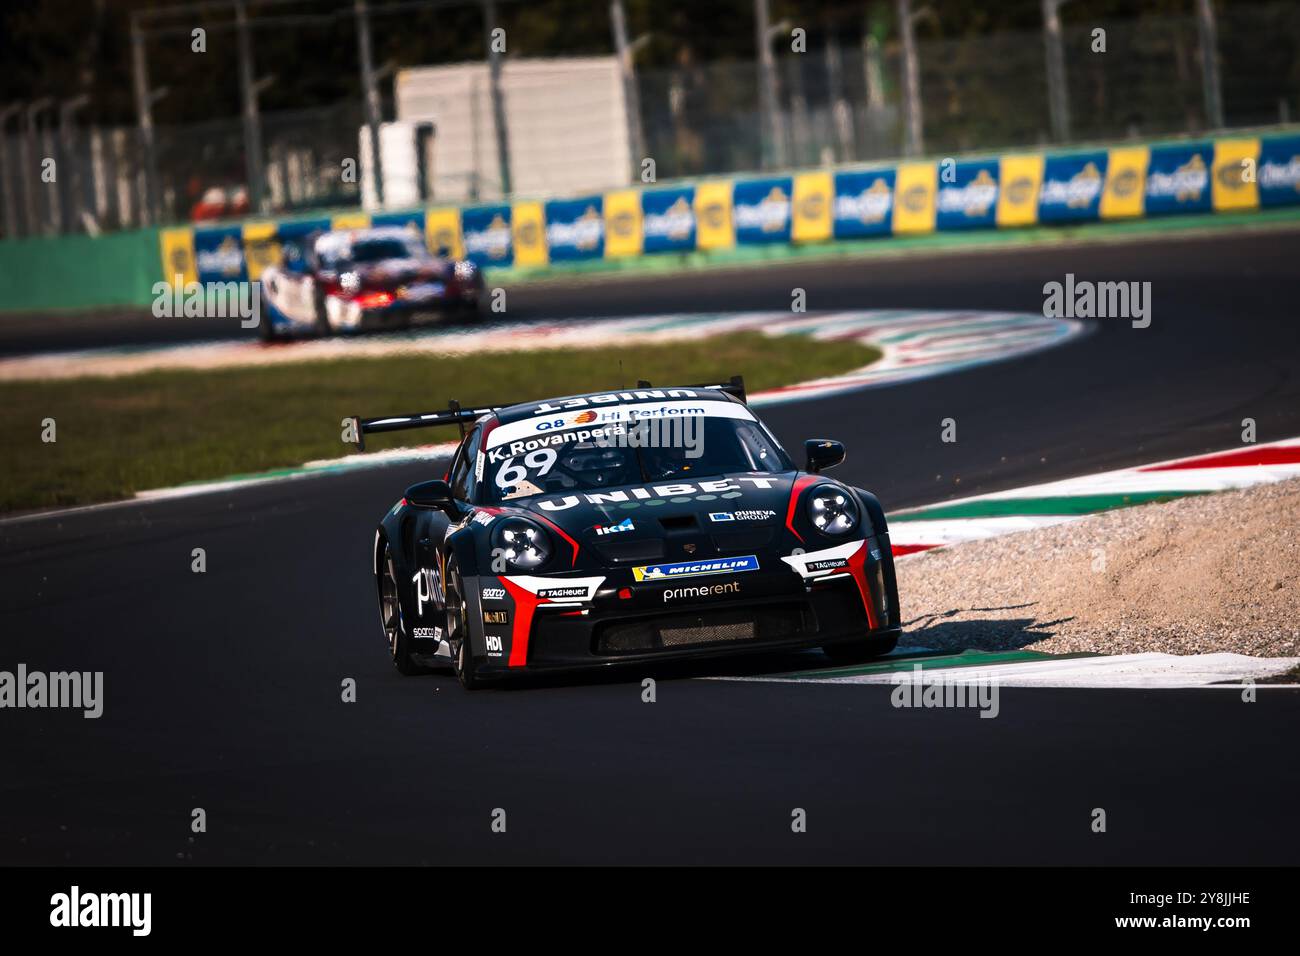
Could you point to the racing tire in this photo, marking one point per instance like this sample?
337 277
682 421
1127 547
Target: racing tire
864 649
391 620
458 630
322 326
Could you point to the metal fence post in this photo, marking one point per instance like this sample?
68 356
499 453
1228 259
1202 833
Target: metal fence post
498 103
7 172
1209 34
370 91
772 135
144 115
252 124
631 95
1057 96
914 143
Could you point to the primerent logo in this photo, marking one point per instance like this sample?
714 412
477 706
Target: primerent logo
74 909
701 591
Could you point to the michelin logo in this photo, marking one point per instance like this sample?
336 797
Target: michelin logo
693 569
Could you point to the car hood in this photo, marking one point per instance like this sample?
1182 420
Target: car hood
741 500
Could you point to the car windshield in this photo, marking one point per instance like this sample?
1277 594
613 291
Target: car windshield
626 453
376 250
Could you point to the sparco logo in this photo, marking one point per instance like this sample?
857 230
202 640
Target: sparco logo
494 594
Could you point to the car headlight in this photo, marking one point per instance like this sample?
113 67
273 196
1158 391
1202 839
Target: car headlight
464 270
832 510
523 544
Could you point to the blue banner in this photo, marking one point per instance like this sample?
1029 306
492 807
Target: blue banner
411 220
760 209
1072 186
968 195
668 220
1278 173
575 228
864 204
219 254
1178 179
486 232
301 229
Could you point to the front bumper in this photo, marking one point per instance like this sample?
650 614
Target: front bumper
619 620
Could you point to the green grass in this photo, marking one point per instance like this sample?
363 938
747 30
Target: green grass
119 436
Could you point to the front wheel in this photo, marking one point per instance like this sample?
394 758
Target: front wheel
458 636
864 649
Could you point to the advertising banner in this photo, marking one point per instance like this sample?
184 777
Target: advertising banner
1126 180
1178 179
968 195
1278 171
575 229
668 220
761 210
486 230
864 204
914 198
1072 187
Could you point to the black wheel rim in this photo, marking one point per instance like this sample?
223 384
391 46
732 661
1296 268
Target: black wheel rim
456 611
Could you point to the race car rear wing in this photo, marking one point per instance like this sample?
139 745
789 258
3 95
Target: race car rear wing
455 415
734 387
452 415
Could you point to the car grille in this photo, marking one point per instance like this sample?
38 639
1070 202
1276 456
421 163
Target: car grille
692 630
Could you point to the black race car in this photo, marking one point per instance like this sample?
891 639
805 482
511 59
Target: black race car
634 526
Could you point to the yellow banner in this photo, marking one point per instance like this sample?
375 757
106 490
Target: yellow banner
528 226
713 229
178 255
810 216
260 247
1233 184
1126 182
915 194
1019 180
351 220
622 223
442 230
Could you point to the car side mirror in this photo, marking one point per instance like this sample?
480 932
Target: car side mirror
822 454
435 495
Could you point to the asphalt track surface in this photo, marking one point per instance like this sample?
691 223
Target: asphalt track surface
222 690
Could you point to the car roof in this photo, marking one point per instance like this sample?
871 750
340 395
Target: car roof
345 238
611 399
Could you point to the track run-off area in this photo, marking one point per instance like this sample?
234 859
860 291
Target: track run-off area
222 689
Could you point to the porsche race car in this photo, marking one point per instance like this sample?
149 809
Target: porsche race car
637 526
357 279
